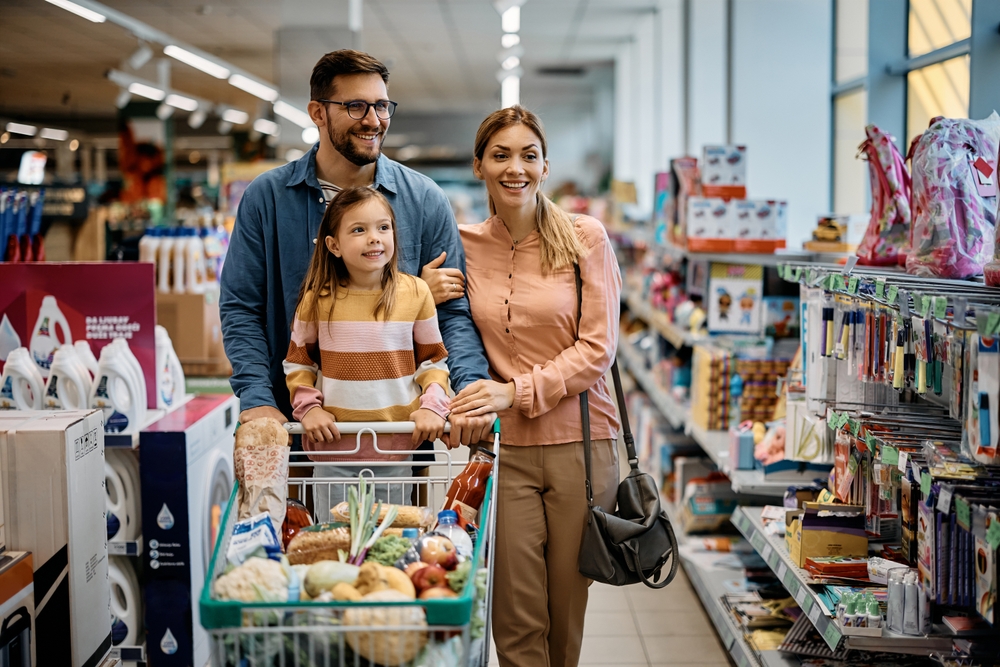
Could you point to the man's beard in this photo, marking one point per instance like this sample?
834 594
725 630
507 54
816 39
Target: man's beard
343 145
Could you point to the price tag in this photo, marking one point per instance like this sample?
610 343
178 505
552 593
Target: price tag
880 288
807 604
992 324
801 595
902 461
811 277
774 560
923 305
814 613
839 284
798 273
767 553
940 307
852 285
742 662
843 420
758 541
782 571
963 512
783 271
855 427
832 635
925 484
893 293
793 586
993 533
944 500
870 442
890 456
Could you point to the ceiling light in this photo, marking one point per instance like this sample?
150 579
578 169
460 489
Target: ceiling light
5 137
194 157
73 145
504 74
21 128
164 111
297 116
140 57
181 102
196 61
509 40
510 20
254 87
197 119
88 14
310 135
225 127
510 91
143 90
235 116
123 98
293 154
265 126
54 134
510 63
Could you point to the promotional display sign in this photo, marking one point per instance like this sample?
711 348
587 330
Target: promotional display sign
45 305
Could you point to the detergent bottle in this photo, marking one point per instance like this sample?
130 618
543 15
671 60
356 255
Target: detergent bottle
164 251
194 261
137 375
86 356
149 246
68 387
169 372
177 259
115 392
21 386
44 341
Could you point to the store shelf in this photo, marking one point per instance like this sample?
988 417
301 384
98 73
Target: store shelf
128 653
674 412
133 548
674 334
131 440
781 257
796 580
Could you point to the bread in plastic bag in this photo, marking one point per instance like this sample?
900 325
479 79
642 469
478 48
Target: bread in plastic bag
260 459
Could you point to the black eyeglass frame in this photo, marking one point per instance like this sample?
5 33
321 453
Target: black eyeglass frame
368 106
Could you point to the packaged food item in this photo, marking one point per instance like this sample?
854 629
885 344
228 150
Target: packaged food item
468 489
448 527
406 516
297 517
254 533
322 541
260 459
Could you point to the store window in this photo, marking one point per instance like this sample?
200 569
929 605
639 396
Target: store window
935 24
851 57
936 90
850 174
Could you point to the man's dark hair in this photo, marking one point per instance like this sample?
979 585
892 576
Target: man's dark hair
338 63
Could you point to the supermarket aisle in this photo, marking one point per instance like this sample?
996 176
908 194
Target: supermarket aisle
638 627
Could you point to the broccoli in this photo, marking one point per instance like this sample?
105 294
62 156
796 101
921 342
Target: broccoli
387 550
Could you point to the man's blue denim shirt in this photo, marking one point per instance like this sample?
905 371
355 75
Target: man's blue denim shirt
269 253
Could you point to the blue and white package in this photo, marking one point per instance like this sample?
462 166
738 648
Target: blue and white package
252 534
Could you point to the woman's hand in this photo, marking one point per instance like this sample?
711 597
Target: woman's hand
429 425
445 284
320 426
483 396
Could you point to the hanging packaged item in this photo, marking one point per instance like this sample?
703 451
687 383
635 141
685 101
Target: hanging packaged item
954 197
886 238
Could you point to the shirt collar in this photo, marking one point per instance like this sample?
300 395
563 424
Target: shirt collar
304 170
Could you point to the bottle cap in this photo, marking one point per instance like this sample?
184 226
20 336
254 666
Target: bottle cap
447 517
411 533
852 606
486 452
873 608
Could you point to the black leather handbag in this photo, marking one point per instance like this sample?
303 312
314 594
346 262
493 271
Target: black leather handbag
634 543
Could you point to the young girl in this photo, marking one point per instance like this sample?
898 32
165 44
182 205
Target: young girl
373 334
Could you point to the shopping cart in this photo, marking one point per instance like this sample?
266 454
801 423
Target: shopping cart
422 633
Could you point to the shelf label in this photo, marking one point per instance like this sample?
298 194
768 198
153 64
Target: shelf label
925 484
775 560
963 512
940 307
852 285
944 500
870 442
855 426
893 293
758 541
792 584
742 661
880 288
814 613
832 635
890 456
801 595
782 571
767 553
807 604
993 533
902 461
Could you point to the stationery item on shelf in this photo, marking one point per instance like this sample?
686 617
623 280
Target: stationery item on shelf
954 166
741 445
707 503
687 183
826 530
711 225
887 237
735 298
781 316
724 171
808 436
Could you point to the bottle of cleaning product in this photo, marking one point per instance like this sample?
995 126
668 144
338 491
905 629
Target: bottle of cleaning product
86 356
137 375
68 387
177 257
115 392
164 252
212 251
169 372
22 386
448 526
194 262
149 246
43 335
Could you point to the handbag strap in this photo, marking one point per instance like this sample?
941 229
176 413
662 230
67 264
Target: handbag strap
633 460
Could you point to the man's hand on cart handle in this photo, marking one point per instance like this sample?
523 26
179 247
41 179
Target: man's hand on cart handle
260 412
469 430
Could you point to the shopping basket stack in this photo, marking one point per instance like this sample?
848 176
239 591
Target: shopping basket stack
422 633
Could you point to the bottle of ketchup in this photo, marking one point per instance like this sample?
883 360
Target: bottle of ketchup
468 489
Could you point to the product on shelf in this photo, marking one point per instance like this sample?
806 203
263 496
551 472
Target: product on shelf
837 233
724 171
886 240
735 299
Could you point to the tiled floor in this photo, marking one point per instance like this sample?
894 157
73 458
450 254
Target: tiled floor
636 626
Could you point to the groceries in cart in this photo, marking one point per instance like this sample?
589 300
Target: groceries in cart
261 462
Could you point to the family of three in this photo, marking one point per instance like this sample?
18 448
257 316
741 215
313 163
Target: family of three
350 294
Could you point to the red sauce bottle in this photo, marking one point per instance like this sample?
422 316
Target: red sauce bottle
468 489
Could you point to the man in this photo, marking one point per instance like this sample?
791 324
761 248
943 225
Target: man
276 228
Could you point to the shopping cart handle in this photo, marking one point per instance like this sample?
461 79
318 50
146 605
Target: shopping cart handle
295 428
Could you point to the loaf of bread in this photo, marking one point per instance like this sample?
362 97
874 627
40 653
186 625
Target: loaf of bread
407 517
318 543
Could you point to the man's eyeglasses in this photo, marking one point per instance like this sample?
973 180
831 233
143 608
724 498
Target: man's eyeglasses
358 109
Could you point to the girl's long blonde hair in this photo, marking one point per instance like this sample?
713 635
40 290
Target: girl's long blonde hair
560 244
327 271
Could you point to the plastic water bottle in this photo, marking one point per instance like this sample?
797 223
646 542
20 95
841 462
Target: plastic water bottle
448 527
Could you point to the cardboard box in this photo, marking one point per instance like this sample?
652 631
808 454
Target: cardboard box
707 504
826 530
17 608
195 328
53 485
724 171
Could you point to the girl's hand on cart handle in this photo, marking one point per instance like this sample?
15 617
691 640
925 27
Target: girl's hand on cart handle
320 426
261 412
428 425
483 396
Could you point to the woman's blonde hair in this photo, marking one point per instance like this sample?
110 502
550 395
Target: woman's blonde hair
559 241
327 271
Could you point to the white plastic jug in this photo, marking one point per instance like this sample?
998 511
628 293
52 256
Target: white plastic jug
21 386
169 372
194 262
164 252
126 602
137 374
86 356
43 335
116 392
69 382
177 257
121 482
149 246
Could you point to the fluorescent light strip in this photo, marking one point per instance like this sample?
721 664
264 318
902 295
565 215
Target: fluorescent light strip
510 20
511 62
21 128
181 102
54 134
235 116
253 87
88 14
265 126
510 40
297 116
148 92
196 61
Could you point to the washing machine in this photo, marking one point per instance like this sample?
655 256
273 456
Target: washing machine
186 468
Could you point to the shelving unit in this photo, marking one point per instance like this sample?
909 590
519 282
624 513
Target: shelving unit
129 548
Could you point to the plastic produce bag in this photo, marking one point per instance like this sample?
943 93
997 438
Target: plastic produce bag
261 463
886 239
954 197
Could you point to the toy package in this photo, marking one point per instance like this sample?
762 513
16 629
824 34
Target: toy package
886 238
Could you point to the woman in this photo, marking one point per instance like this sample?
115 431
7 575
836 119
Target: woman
522 290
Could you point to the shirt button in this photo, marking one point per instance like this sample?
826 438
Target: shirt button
321 200
505 300
512 247
510 275
508 330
